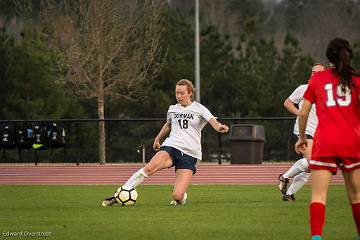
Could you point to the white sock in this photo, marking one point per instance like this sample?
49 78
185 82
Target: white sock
298 167
298 181
183 201
137 178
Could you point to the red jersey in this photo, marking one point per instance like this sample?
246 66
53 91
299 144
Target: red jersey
338 131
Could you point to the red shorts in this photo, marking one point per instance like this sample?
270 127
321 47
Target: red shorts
334 163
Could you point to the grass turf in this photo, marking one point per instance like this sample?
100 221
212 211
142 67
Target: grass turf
212 212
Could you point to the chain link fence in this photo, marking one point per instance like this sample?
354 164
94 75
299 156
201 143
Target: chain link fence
130 141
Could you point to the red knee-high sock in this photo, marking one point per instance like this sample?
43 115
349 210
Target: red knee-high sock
356 213
317 218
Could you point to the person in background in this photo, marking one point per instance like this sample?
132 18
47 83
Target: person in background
299 171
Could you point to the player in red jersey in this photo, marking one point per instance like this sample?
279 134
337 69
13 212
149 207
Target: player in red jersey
336 94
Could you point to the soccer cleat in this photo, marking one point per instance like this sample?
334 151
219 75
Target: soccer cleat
289 198
283 184
108 202
182 202
316 237
173 203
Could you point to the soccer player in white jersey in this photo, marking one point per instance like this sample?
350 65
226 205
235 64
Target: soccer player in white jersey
300 170
182 148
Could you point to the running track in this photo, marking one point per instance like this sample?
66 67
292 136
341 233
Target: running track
116 174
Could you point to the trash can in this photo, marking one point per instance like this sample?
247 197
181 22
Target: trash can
246 143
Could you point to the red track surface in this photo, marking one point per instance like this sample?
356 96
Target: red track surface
265 174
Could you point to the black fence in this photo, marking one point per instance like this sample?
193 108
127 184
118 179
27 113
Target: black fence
130 140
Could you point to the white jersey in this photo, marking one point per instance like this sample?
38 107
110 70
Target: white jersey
297 97
186 125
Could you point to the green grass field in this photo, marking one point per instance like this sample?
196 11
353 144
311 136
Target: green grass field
212 212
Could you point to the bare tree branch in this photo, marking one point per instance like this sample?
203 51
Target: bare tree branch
107 48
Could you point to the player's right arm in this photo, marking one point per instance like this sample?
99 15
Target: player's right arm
295 98
291 107
301 144
165 130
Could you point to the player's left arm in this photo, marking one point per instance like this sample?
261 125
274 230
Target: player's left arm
301 144
222 128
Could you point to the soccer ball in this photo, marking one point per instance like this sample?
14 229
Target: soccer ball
126 196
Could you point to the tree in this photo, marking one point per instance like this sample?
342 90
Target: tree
4 63
356 55
177 41
28 91
217 81
108 48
